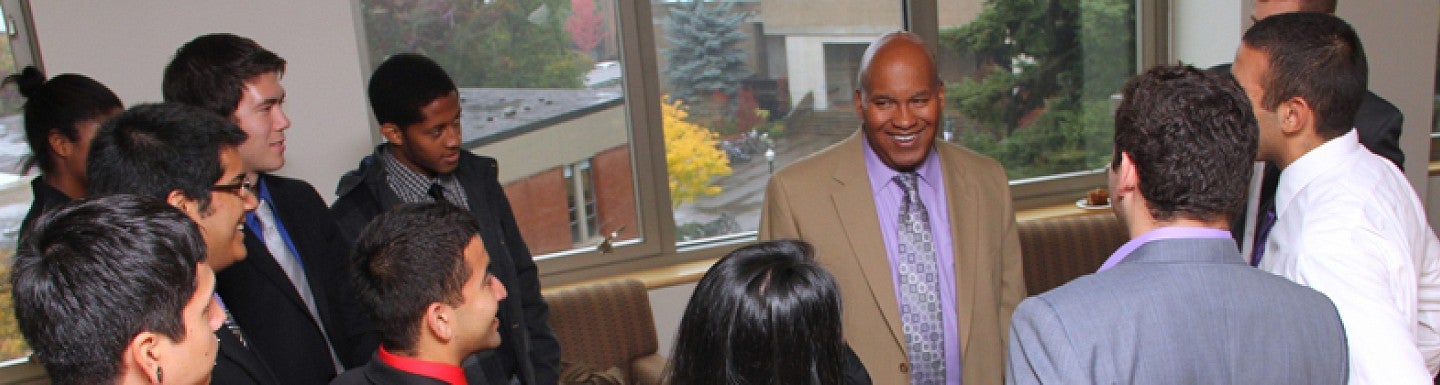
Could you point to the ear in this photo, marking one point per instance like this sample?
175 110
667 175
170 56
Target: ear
144 354
1295 114
1127 180
438 320
393 133
62 146
178 199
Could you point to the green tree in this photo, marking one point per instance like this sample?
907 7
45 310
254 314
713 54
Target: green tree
704 57
692 155
1042 98
502 43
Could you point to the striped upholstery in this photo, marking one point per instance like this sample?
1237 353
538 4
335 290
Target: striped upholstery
608 324
1058 250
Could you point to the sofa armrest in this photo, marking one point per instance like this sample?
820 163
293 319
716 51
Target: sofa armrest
648 370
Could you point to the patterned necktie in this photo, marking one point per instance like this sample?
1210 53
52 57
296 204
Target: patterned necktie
919 288
1262 233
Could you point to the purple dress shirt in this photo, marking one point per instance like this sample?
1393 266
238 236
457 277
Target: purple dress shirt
1173 232
931 186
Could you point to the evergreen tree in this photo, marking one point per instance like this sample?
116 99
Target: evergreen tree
704 57
1050 66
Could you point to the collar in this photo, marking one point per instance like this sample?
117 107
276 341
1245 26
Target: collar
1313 164
1170 232
881 174
451 374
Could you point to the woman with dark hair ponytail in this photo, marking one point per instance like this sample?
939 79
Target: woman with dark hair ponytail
61 116
765 314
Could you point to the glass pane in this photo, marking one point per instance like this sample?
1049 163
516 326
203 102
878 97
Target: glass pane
752 86
1033 83
540 89
15 194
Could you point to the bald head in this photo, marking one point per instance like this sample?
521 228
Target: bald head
895 46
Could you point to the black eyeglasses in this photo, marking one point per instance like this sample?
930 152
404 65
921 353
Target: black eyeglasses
239 189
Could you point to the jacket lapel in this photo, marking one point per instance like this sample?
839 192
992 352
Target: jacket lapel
855 206
964 233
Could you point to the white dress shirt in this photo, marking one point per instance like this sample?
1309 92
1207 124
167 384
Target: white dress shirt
1350 225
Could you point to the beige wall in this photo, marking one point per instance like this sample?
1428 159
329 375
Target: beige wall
536 151
126 44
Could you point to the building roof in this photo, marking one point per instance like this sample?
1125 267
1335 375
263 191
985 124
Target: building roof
490 115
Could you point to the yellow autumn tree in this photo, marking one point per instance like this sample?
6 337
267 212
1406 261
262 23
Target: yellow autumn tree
692 155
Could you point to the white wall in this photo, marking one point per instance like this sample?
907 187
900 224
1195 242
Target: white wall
126 44
1206 32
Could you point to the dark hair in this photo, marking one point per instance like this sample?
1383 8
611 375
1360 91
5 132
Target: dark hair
1316 57
764 314
1192 137
210 71
94 273
1326 6
153 149
403 84
57 105
408 258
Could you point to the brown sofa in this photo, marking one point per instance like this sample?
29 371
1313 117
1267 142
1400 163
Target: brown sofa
606 326
1057 250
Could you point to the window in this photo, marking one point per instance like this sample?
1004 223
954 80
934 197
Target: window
581 198
15 193
638 129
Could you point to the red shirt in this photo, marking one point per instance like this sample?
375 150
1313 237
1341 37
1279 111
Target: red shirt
451 374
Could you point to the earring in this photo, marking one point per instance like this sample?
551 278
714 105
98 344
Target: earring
159 375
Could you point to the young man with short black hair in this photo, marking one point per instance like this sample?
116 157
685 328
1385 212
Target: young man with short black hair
423 272
291 294
418 108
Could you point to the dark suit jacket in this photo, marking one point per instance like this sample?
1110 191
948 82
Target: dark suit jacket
46 197
235 364
528 348
269 309
826 199
1178 311
1378 124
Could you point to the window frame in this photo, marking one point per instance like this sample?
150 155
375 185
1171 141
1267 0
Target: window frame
653 246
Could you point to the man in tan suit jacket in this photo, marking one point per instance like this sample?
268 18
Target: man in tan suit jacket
828 200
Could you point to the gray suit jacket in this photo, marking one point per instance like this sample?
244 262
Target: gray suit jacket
1178 311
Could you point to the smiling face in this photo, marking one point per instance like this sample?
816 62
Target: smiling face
222 222
478 327
190 359
432 146
261 114
900 104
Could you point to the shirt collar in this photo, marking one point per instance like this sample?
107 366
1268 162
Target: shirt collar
881 174
1311 165
1171 232
451 374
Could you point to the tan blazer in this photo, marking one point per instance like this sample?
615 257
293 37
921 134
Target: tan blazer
826 199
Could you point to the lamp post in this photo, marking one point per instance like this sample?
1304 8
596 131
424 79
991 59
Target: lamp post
770 158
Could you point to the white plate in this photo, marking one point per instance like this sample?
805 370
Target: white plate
1082 204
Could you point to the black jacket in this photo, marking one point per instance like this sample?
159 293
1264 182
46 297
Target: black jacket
46 197
528 350
236 364
267 307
